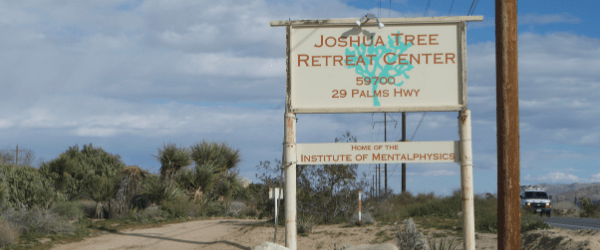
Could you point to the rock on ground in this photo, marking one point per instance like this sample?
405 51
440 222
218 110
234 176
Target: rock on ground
269 246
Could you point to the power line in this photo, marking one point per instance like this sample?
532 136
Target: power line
413 136
451 7
473 7
426 8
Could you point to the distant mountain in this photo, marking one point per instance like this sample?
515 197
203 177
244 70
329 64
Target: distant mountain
554 189
562 192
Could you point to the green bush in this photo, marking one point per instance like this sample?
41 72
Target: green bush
178 207
26 187
486 214
211 209
75 169
531 221
71 210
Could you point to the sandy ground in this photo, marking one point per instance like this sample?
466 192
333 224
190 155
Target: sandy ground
240 234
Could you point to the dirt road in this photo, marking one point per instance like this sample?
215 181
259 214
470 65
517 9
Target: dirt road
200 234
223 233
238 234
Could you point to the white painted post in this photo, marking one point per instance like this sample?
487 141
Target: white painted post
276 198
359 201
466 179
290 179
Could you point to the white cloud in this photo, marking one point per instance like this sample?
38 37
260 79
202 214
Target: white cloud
555 177
436 172
596 177
228 64
15 16
546 19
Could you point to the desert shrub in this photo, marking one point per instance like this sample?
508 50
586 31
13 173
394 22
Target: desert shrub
250 211
446 207
178 207
486 214
71 210
37 220
235 208
588 208
405 205
26 187
365 218
140 202
531 221
158 191
88 208
444 244
75 169
305 224
3 191
211 209
8 233
410 238
150 212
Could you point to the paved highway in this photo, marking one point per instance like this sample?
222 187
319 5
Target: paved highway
573 223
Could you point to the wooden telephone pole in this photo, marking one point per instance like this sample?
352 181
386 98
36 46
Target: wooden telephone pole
507 122
404 163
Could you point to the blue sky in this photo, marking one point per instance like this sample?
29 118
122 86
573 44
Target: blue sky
129 76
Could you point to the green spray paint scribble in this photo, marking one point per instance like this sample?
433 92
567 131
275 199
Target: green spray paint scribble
377 69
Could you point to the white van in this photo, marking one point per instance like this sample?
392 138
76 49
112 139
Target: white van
536 199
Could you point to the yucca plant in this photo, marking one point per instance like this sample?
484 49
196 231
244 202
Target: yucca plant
218 157
158 191
172 160
101 190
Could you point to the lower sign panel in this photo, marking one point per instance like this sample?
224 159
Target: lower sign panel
377 152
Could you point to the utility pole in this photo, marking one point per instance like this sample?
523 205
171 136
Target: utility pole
372 185
379 172
17 158
385 140
507 122
404 163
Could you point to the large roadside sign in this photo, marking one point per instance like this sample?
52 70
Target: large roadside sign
410 65
401 67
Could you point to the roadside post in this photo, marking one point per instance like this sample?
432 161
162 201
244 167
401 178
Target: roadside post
393 65
359 201
275 194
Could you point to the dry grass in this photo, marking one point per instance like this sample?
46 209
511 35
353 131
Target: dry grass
8 233
37 220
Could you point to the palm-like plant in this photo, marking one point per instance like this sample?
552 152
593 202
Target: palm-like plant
101 190
218 157
172 160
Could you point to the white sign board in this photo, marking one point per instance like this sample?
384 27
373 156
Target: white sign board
410 67
377 152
